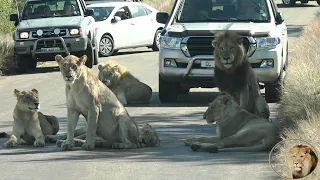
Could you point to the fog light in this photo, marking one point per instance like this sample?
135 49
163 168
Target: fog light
170 63
266 63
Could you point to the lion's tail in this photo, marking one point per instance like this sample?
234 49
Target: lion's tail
4 135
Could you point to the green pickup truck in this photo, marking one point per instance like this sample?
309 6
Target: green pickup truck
46 28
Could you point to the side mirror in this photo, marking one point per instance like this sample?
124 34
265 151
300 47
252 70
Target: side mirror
162 17
14 17
115 19
89 12
279 18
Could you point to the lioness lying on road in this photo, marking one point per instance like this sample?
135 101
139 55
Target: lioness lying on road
123 84
148 137
30 125
237 129
104 113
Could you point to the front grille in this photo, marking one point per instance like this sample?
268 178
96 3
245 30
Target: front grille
203 45
50 44
49 33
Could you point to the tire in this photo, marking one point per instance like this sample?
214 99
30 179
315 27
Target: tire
168 91
106 46
273 91
156 41
183 90
290 3
304 2
318 1
25 63
90 53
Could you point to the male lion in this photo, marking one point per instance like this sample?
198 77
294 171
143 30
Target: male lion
233 73
123 84
104 113
237 129
30 125
302 161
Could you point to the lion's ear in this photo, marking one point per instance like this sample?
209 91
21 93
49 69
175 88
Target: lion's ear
308 150
58 58
100 67
226 99
82 60
213 43
35 91
116 68
17 93
240 40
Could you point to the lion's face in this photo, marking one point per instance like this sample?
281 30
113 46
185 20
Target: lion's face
301 160
228 50
217 107
70 67
109 75
149 136
28 100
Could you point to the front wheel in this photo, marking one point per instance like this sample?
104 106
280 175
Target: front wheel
156 41
274 91
318 1
106 46
168 91
24 63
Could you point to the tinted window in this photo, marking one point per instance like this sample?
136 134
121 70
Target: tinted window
50 8
101 13
223 10
138 11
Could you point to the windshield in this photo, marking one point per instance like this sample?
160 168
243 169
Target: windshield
50 8
101 13
223 10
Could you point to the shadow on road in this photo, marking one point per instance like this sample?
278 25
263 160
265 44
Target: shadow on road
298 5
295 30
132 52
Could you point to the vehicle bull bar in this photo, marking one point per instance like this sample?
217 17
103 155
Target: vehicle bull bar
64 50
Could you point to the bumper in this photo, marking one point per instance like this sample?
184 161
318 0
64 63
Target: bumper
189 68
52 45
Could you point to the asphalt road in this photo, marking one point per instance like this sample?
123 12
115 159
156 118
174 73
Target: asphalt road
174 123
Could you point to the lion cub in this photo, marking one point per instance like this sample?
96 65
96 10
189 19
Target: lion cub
127 88
29 124
238 130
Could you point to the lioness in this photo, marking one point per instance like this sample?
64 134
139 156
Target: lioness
302 161
123 84
237 129
148 137
30 125
104 113
234 74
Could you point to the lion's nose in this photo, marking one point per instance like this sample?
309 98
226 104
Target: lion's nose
296 163
226 58
37 104
68 77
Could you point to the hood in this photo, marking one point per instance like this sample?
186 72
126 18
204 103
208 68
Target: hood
54 22
243 28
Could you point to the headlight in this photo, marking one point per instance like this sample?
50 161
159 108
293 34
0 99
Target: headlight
267 42
75 31
24 35
170 42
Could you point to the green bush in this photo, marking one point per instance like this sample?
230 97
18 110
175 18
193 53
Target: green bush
6 9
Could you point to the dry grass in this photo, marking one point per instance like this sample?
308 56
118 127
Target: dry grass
7 63
300 104
163 6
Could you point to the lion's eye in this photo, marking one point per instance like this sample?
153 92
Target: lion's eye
28 98
74 67
65 66
221 48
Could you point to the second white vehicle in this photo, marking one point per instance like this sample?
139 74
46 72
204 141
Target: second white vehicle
122 25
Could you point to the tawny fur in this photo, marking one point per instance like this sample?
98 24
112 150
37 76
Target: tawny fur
105 115
148 137
127 88
238 130
302 161
30 125
234 74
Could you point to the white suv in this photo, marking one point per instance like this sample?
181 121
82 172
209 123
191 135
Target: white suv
186 52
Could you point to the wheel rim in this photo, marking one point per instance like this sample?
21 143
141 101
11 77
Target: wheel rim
158 40
286 1
105 46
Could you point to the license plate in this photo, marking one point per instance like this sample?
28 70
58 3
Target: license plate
50 49
208 63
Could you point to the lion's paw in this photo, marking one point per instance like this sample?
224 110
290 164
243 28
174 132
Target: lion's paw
195 146
86 146
188 141
66 146
39 143
59 143
51 138
9 144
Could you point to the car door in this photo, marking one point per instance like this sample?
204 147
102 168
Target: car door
123 31
281 30
144 25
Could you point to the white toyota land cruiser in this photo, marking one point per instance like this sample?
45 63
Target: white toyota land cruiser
186 53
